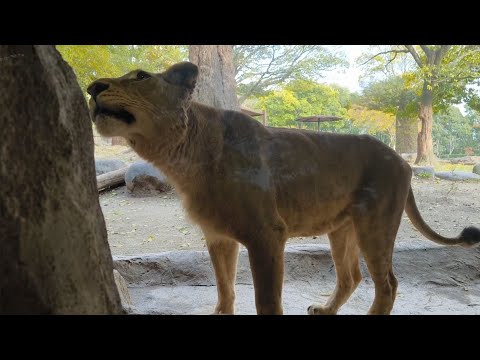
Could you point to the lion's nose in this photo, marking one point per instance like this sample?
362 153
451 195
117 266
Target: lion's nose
96 88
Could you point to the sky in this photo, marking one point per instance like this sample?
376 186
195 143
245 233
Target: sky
347 77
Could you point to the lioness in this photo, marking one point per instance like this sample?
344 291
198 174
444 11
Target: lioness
258 186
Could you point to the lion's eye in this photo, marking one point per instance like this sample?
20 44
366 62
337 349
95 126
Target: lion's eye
142 75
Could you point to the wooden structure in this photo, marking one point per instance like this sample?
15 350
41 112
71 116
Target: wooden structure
316 119
251 112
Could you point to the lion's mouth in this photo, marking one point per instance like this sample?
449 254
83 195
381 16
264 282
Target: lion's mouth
122 115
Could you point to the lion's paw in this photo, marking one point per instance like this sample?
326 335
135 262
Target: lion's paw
222 312
317 309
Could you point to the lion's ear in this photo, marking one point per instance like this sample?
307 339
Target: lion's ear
182 74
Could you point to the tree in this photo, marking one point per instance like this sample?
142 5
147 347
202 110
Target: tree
453 133
445 73
91 62
374 122
259 67
216 81
303 98
154 58
390 95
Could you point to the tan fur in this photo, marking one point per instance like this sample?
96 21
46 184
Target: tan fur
258 186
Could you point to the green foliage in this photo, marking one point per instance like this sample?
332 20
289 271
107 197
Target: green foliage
377 123
259 67
301 98
425 175
453 132
451 80
153 58
91 62
390 95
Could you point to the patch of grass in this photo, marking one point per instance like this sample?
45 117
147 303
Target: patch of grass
425 175
441 166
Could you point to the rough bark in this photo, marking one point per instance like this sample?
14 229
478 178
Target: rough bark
406 135
216 82
406 129
425 155
433 59
54 256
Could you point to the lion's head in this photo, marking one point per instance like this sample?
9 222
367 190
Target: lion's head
142 103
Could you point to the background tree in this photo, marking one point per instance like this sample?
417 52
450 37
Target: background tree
374 122
391 96
216 84
303 98
453 133
259 67
91 62
445 73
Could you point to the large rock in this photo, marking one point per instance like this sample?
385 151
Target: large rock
457 175
144 179
476 169
421 171
103 166
54 256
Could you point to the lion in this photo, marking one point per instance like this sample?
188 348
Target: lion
245 183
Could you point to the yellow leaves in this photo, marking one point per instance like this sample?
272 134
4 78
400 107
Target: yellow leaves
375 121
410 79
90 62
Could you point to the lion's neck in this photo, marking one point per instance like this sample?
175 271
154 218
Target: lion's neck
185 161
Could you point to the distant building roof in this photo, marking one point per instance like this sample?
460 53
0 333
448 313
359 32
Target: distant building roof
249 111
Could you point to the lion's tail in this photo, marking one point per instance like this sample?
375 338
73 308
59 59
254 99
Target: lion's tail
469 237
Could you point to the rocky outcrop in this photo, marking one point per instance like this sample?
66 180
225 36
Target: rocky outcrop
54 256
144 179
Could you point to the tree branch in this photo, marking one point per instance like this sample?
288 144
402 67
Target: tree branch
427 52
440 53
412 51
384 53
252 88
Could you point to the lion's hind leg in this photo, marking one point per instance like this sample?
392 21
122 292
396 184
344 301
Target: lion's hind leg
345 254
376 222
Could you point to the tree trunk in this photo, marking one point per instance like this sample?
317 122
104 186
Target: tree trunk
54 256
216 84
406 129
425 154
406 135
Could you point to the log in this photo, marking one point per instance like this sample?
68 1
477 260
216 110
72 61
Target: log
111 179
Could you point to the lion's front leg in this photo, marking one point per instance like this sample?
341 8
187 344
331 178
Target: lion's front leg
224 255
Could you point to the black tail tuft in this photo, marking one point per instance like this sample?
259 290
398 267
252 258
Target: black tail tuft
470 236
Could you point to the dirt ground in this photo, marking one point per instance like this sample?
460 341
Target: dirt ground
157 224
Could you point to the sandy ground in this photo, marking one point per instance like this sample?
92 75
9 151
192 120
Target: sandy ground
157 224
